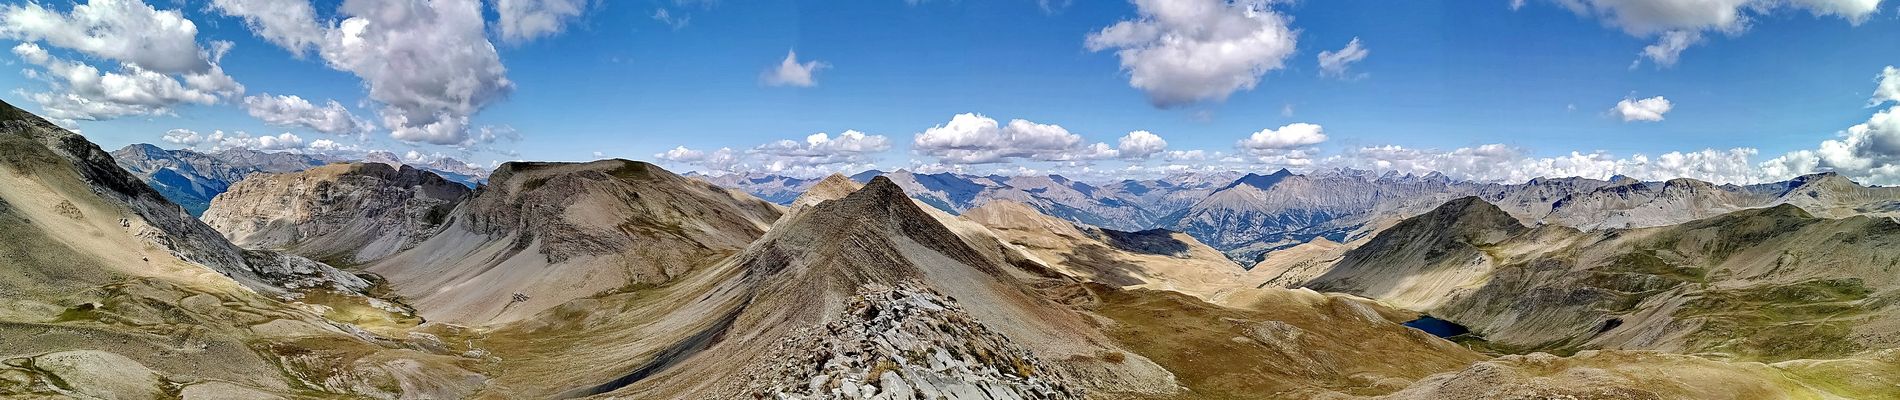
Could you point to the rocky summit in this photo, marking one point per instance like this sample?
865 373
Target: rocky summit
900 343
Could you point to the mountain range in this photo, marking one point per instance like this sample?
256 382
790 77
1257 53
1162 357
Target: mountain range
1244 216
191 178
1250 215
621 279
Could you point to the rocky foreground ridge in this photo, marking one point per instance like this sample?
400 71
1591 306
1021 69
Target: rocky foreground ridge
902 343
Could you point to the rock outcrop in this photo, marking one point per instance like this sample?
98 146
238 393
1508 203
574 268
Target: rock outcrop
901 343
347 213
832 187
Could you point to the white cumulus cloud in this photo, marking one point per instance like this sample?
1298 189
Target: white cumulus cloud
1869 152
791 72
1644 110
291 24
1335 63
428 63
525 20
723 160
185 137
221 141
161 65
1669 46
128 31
83 92
976 139
1889 87
818 154
1286 137
330 146
1678 24
1187 51
1507 164
294 111
1141 145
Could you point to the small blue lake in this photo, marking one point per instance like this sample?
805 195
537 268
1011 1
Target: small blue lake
1438 327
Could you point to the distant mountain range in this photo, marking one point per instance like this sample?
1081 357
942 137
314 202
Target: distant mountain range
191 178
1248 215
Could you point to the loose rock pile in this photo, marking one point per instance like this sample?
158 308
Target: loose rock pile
904 342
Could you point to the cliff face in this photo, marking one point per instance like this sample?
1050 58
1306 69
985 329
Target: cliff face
348 213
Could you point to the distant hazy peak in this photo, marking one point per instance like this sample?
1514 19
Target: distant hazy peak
1261 181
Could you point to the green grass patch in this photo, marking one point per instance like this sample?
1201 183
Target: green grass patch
1810 319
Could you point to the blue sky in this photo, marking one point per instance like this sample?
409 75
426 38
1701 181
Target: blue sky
1486 90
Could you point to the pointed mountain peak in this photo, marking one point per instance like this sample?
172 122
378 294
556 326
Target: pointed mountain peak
1261 181
833 187
866 176
856 233
1471 212
836 179
1467 202
881 188
140 148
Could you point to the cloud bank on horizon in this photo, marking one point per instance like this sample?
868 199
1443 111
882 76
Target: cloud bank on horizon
1144 88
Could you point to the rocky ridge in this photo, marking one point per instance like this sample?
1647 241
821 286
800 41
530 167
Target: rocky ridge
541 234
900 343
350 213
